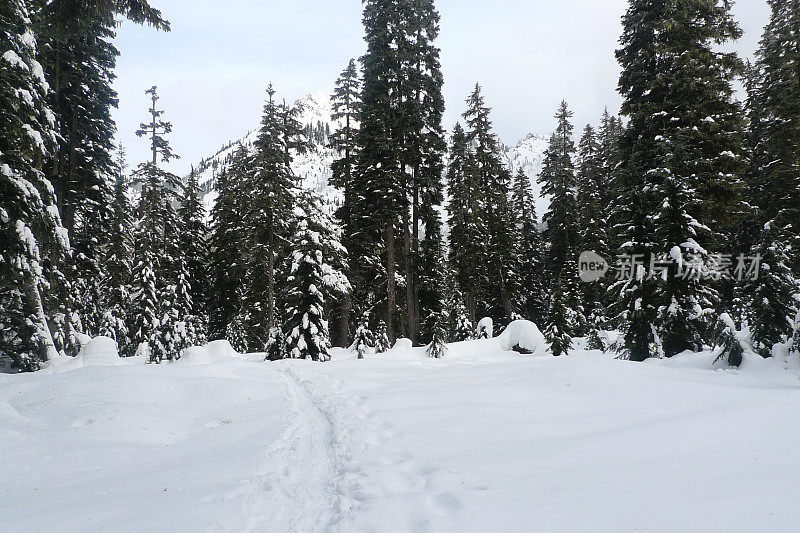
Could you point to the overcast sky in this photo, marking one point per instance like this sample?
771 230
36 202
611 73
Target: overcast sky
213 67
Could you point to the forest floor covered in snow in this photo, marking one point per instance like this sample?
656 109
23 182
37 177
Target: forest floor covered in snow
483 440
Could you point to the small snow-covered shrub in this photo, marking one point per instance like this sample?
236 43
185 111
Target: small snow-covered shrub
525 337
485 329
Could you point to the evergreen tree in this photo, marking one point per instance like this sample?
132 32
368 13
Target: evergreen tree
156 234
528 252
118 263
346 105
493 180
306 329
559 181
399 165
364 338
592 223
381 338
468 239
561 322
167 338
144 303
78 56
266 220
276 343
31 235
194 252
774 179
227 262
679 177
438 345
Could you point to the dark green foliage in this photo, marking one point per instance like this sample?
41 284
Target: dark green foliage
774 179
562 235
194 251
681 158
468 232
31 237
438 345
529 252
494 183
226 254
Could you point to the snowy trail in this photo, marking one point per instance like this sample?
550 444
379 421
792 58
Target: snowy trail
307 485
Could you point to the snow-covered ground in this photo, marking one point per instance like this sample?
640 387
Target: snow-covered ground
483 440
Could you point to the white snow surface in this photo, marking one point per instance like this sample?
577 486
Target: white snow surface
483 440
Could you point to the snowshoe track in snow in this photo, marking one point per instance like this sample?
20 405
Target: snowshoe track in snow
311 482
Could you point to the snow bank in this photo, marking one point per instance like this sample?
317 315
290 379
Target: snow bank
208 354
100 351
526 335
403 345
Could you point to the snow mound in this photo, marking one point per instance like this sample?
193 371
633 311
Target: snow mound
196 355
403 345
208 354
523 334
221 349
100 351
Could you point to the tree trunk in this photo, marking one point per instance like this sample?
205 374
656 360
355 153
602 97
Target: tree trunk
413 305
36 309
390 281
271 280
344 322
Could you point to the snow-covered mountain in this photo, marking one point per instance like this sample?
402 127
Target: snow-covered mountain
528 154
314 168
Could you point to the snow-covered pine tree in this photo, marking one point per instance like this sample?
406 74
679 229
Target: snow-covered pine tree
681 158
608 136
118 262
438 345
381 338
528 251
30 227
771 304
194 253
399 164
774 179
144 303
364 338
227 265
592 226
560 321
155 237
166 336
78 56
493 180
346 105
305 327
559 181
468 238
276 344
336 286
421 140
266 221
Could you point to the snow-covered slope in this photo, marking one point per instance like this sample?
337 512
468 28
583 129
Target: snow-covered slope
314 167
482 440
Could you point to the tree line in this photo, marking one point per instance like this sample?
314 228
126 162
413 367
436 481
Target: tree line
434 231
